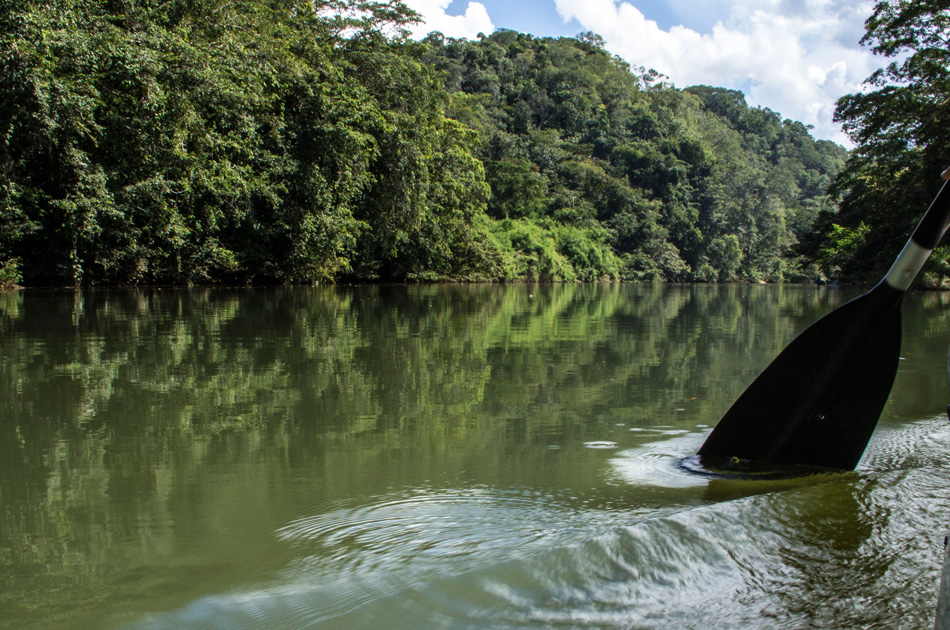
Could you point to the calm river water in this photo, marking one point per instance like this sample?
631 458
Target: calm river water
444 457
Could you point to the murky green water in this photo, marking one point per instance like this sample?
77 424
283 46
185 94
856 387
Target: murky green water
443 457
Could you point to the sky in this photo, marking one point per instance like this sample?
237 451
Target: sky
796 57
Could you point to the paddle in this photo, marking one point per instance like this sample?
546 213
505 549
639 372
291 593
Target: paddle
818 402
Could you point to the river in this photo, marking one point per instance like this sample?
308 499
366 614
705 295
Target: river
462 456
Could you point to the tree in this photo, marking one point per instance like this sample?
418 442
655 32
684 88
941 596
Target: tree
902 130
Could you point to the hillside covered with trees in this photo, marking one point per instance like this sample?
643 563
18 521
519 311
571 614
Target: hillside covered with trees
625 175
205 141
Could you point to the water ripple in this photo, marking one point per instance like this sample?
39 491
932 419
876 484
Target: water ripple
851 550
446 524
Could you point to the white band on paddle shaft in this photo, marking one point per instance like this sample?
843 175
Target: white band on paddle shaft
905 268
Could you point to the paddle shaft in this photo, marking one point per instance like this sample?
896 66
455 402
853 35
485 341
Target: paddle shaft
922 242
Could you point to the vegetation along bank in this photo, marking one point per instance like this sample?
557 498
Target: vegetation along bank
214 141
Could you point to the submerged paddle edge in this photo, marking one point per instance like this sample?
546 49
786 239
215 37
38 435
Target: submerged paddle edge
818 402
736 469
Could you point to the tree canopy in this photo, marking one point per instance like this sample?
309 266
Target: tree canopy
190 142
650 182
204 141
901 128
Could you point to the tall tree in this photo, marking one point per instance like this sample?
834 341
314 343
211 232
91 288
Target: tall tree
201 141
902 130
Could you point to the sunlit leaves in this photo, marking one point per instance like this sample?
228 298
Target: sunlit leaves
209 141
194 142
571 137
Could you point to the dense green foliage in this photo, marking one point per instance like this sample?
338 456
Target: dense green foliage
282 141
902 131
206 141
651 182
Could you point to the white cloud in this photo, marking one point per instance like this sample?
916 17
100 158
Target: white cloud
475 20
796 57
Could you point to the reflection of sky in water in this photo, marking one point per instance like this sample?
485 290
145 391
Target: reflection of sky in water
351 556
656 462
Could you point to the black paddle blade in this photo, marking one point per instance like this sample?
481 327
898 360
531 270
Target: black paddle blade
818 402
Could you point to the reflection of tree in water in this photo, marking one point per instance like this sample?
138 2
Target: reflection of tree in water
208 360
473 362
113 404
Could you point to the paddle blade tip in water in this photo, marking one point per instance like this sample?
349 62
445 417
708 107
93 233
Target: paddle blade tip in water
744 470
817 403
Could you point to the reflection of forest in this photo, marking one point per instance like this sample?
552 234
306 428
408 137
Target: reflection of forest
114 404
349 360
